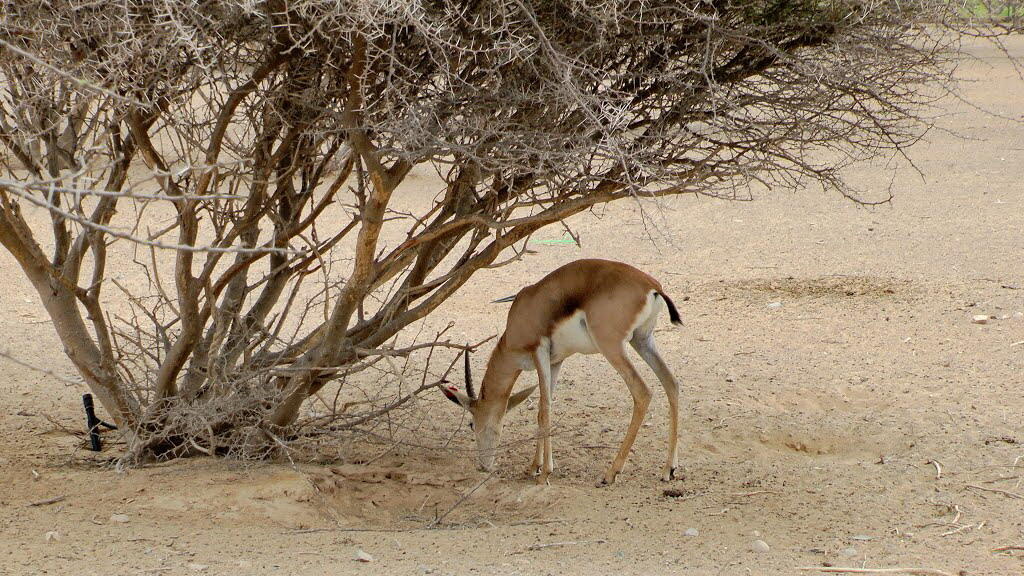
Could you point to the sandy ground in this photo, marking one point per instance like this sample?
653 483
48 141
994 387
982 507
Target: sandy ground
811 425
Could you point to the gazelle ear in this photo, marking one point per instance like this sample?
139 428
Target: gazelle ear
517 398
453 394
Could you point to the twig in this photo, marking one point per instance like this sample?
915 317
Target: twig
50 373
575 237
536 547
63 428
1013 495
1003 479
433 523
339 529
938 468
754 493
46 187
911 571
747 494
266 248
566 543
1007 548
958 529
53 500
80 82
538 521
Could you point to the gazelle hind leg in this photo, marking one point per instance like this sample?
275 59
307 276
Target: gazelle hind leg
538 455
555 369
542 361
616 355
644 345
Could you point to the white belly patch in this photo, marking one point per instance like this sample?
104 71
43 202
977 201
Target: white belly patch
571 336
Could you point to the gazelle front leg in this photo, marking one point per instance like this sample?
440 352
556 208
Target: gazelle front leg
543 457
538 455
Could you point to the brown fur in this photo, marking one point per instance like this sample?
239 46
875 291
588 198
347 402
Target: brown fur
589 284
612 296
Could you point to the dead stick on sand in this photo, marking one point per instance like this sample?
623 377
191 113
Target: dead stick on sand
566 543
754 493
339 529
436 521
538 521
938 468
1007 548
536 547
53 500
911 571
1013 495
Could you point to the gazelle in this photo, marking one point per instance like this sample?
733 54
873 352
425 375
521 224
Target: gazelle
584 307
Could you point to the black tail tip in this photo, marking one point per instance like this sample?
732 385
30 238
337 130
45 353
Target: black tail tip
673 314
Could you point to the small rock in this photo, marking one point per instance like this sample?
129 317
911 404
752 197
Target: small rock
198 567
980 318
756 533
691 532
52 536
848 551
760 546
363 556
775 305
863 537
119 518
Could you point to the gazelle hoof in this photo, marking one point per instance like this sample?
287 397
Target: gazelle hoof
670 475
604 482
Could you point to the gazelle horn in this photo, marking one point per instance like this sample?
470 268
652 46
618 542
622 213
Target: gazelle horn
469 376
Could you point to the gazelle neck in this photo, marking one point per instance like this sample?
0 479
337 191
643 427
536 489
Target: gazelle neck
502 371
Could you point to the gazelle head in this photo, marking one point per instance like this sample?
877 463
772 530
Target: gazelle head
486 411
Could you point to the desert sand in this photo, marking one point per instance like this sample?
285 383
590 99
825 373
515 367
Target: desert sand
839 404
